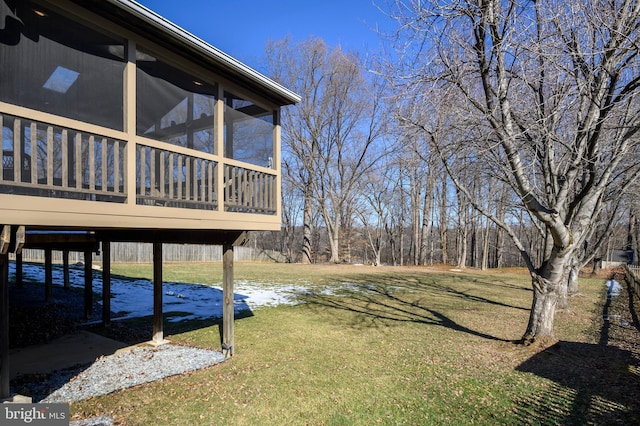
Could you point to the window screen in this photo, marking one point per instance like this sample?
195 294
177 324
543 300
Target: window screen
174 106
248 131
53 64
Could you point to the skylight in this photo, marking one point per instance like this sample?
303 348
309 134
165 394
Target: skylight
61 79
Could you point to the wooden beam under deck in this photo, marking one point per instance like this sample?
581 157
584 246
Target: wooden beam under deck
5 239
174 236
61 240
88 239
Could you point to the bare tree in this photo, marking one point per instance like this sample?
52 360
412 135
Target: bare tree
378 189
332 134
501 210
427 213
444 212
291 210
545 95
301 126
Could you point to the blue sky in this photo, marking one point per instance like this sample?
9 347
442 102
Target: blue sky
241 28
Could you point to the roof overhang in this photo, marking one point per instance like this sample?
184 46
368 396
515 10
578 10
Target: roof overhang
148 23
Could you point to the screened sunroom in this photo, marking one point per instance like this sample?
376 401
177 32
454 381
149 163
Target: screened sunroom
118 125
113 114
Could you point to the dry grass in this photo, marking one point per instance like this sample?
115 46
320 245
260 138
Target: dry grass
397 346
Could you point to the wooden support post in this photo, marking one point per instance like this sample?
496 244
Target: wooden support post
20 240
227 297
106 283
158 334
4 326
65 269
19 275
48 275
88 285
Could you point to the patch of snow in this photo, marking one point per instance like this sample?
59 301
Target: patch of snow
613 288
134 298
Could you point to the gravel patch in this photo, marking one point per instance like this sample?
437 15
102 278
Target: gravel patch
129 368
94 421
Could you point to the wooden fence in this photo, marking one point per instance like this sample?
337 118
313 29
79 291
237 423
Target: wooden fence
143 253
633 278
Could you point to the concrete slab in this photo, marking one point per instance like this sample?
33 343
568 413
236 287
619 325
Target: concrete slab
77 348
161 342
17 399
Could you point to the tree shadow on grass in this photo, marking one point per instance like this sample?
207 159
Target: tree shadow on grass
429 284
591 383
385 298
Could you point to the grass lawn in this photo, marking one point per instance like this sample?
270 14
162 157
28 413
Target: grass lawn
396 346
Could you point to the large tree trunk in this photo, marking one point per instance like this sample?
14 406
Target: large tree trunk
543 309
572 280
392 249
401 242
462 242
376 255
443 221
463 231
415 190
473 245
500 235
636 238
426 215
333 234
306 233
334 245
549 287
485 247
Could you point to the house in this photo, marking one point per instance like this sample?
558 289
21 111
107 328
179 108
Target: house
118 125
